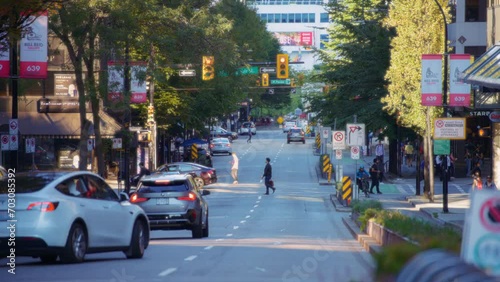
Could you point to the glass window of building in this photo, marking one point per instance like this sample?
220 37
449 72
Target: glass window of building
323 38
312 18
270 18
277 18
291 18
298 18
284 18
324 18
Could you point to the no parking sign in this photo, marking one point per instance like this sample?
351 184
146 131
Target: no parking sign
481 238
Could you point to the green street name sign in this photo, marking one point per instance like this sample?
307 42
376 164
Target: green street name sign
280 81
242 71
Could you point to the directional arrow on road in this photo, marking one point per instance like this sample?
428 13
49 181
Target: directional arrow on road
187 73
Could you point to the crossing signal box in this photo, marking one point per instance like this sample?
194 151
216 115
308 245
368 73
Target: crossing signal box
265 79
282 66
208 71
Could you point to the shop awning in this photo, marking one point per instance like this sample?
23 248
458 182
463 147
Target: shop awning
62 125
485 71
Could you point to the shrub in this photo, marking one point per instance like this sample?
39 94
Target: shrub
360 206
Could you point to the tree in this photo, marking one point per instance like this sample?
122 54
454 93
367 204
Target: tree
416 35
355 61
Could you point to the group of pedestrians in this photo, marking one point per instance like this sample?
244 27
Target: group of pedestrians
266 176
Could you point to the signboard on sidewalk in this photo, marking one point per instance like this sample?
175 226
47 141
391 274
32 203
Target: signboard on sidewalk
481 238
450 128
441 147
338 154
355 134
355 152
338 140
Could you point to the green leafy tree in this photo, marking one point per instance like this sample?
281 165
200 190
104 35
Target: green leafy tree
355 61
416 35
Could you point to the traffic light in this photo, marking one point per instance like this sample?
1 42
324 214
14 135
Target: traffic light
208 68
282 66
265 79
151 115
484 131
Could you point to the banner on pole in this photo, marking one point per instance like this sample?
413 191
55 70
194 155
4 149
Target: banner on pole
33 51
116 86
432 81
4 58
459 90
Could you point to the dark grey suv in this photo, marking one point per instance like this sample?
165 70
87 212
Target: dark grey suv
173 202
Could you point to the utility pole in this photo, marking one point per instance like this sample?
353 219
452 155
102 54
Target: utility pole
127 120
14 80
152 125
445 107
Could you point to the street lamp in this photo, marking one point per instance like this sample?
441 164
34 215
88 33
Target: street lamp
445 106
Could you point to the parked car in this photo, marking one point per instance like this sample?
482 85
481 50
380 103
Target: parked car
202 175
288 125
173 202
221 146
296 135
221 132
68 215
243 130
3 173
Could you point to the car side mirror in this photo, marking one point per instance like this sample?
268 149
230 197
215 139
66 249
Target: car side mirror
124 197
205 192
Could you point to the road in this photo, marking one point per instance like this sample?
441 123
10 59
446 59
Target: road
292 235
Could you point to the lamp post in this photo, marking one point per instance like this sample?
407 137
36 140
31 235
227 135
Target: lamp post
445 106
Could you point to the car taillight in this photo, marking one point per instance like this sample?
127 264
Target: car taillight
190 197
136 199
228 145
43 206
211 145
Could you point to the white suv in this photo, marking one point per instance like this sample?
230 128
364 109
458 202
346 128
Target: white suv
244 128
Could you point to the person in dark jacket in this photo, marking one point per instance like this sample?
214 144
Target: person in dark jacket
143 171
374 173
268 174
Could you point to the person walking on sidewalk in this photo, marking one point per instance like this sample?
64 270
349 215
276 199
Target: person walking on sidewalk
374 174
379 151
268 174
234 168
409 154
477 183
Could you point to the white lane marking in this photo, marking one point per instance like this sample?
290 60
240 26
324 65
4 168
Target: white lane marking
260 197
255 206
401 189
243 221
459 188
229 235
220 239
260 269
236 227
257 202
247 216
167 271
190 258
251 210
282 230
208 247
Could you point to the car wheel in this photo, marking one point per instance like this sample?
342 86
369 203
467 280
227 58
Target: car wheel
197 231
138 242
48 258
205 230
199 182
76 245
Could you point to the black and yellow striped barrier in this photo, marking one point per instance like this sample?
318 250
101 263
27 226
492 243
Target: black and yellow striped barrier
347 190
194 153
318 141
308 130
325 163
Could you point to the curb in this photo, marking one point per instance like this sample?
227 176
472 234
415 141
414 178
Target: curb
438 220
368 243
338 206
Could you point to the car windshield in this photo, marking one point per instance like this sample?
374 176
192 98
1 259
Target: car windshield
221 141
29 183
160 186
295 130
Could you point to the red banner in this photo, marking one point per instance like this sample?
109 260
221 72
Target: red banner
33 62
4 58
459 90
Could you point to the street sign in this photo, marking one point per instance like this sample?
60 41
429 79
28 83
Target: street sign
270 91
449 128
355 152
187 73
481 238
338 140
30 145
268 70
13 142
5 142
355 134
338 154
280 81
117 143
13 127
90 144
441 147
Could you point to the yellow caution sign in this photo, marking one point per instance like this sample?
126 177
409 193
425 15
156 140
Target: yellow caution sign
346 188
280 120
194 152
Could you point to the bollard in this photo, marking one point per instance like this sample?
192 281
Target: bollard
330 168
346 190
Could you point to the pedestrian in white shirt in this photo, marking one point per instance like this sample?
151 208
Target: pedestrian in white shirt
234 168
